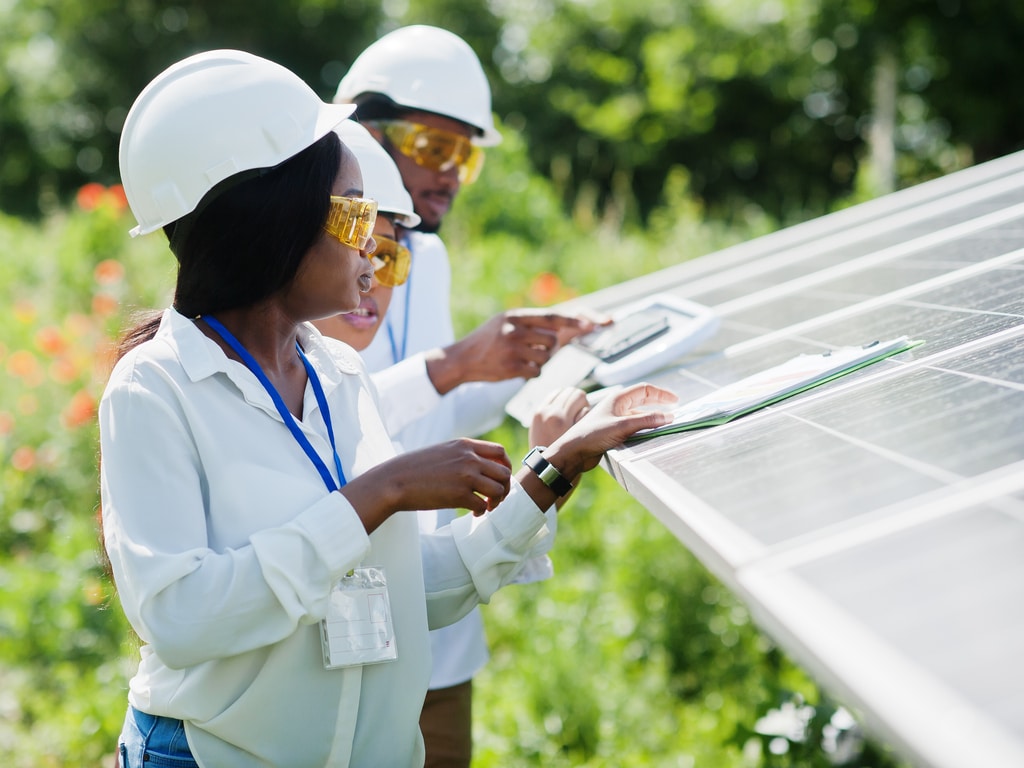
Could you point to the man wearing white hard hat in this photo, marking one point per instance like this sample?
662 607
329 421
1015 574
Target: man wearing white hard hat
423 94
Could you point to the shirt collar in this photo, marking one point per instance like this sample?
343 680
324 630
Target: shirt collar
201 356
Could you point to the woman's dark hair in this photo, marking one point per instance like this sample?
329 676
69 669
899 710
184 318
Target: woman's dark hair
247 237
376 106
248 241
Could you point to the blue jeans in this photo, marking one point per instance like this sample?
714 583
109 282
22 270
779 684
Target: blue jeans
154 742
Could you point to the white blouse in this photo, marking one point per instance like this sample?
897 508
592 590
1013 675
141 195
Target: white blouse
225 544
418 320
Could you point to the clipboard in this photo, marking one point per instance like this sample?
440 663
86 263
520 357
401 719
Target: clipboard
774 384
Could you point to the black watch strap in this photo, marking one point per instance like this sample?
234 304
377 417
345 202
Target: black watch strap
548 475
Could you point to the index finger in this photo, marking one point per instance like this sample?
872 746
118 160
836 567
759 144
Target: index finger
554 321
490 450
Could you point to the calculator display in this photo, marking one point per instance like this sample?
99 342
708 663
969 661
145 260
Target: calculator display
613 342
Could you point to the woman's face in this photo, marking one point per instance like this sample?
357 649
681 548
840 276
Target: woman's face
333 276
358 327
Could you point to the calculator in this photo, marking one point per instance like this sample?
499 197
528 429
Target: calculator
646 335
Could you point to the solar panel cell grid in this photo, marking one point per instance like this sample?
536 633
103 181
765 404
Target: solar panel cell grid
902 587
891 499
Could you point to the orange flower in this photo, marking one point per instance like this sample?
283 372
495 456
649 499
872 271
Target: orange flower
108 272
23 458
6 423
50 341
63 370
81 410
104 305
90 196
93 592
116 197
546 288
22 363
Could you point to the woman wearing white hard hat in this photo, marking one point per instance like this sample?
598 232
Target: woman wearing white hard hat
391 258
249 488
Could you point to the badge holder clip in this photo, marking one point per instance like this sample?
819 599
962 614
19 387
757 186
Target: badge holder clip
358 628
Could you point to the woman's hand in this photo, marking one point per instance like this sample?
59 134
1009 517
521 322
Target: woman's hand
562 409
605 426
464 473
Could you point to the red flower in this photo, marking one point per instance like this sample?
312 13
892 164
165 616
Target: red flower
23 458
117 198
50 341
81 410
104 305
546 289
108 272
90 196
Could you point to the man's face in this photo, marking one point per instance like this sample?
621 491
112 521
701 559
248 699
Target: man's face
432 191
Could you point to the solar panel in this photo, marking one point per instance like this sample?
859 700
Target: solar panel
875 524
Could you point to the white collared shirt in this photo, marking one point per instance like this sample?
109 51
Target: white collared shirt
418 320
225 542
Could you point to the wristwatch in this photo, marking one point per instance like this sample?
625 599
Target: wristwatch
548 475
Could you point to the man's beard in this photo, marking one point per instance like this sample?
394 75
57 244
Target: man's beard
426 227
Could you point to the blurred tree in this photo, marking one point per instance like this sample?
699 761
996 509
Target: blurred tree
931 82
770 102
72 68
613 96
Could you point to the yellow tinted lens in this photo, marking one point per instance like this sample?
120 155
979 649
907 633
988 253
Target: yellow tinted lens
469 170
391 262
435 149
351 220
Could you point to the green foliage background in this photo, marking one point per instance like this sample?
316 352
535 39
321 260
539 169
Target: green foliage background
765 103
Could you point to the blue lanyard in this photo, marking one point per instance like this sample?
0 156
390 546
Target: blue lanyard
397 355
286 415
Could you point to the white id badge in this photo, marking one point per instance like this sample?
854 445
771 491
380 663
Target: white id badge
358 628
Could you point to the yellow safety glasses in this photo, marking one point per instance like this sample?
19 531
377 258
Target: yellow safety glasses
433 148
351 220
391 262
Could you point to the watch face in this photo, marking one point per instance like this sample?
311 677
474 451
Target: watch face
548 474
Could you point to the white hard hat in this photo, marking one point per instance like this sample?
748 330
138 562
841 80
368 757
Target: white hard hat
207 118
425 68
382 180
